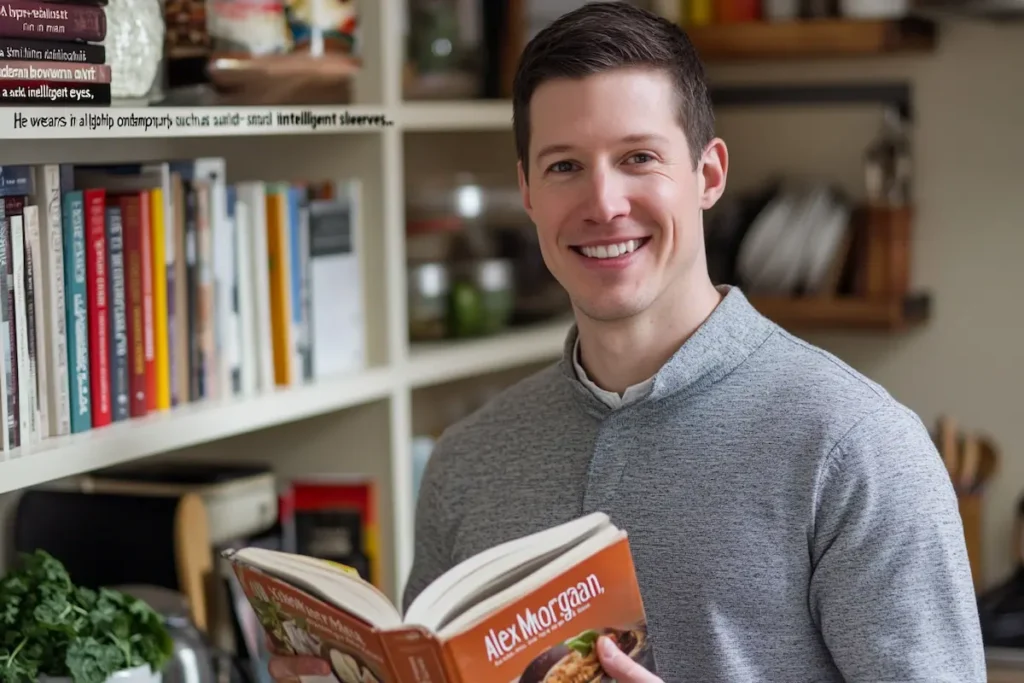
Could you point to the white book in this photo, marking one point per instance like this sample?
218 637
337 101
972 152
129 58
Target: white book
53 314
256 202
214 171
26 380
39 358
336 283
248 347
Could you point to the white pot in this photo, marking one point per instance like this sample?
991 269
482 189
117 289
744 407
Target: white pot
140 674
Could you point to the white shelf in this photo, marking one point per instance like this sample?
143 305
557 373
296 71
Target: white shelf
456 116
187 426
439 362
86 123
45 123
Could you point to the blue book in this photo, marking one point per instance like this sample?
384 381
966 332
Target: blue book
77 310
16 181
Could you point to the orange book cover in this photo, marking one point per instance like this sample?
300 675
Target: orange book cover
528 611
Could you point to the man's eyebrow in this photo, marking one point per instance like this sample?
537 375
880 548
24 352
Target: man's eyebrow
553 149
632 139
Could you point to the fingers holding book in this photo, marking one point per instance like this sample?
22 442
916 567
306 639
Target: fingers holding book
621 667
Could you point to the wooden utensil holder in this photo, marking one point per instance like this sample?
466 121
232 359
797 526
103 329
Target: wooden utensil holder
883 251
970 505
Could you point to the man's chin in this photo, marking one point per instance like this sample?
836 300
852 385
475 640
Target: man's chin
609 310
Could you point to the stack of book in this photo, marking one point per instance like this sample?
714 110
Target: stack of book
51 53
133 289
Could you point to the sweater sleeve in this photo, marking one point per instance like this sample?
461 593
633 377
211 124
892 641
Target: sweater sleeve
432 549
891 587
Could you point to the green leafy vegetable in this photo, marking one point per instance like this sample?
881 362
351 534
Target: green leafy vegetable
584 642
49 626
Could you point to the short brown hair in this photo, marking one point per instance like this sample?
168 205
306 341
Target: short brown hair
600 37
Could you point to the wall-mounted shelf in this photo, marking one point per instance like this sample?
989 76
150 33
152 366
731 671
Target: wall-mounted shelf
812 38
845 313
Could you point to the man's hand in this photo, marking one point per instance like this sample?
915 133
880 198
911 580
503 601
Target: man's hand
289 669
619 666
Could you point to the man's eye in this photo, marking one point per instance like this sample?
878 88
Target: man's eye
641 158
561 167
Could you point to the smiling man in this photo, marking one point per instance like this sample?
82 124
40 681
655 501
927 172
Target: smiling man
790 520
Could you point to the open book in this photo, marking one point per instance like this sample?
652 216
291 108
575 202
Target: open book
529 610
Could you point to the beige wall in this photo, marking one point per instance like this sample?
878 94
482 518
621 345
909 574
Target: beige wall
969 138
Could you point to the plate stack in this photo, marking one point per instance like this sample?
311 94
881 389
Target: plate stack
51 53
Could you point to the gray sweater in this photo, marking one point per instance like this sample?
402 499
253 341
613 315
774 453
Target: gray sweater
789 520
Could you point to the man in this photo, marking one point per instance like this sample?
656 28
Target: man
789 520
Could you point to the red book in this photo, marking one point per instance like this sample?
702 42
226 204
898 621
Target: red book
149 340
34 19
130 223
99 322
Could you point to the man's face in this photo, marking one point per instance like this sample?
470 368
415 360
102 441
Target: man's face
613 192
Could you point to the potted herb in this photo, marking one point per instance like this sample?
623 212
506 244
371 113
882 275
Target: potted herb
52 629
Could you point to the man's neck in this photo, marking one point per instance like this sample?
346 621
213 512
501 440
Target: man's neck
620 354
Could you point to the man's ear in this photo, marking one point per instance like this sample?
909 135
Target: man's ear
713 168
524 190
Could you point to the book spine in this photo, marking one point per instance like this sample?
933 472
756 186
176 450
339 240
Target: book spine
26 399
54 73
205 320
44 93
161 315
37 342
99 306
118 316
414 655
16 181
137 403
191 336
58 389
148 324
30 50
46 21
12 207
77 312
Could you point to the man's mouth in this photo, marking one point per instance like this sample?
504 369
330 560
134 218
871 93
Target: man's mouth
610 251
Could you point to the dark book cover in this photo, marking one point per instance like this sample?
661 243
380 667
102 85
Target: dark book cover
16 181
118 316
192 286
12 206
30 323
68 52
50 21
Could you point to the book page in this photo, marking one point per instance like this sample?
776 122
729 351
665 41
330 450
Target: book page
549 635
297 623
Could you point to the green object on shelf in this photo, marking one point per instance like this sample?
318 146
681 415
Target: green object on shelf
467 311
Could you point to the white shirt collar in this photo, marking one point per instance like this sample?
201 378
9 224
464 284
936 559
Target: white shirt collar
609 398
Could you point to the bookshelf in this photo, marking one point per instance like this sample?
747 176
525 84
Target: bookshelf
359 421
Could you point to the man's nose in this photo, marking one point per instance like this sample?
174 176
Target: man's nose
607 197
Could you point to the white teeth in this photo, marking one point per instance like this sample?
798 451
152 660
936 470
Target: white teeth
610 250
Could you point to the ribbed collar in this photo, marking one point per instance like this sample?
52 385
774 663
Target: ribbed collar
729 335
